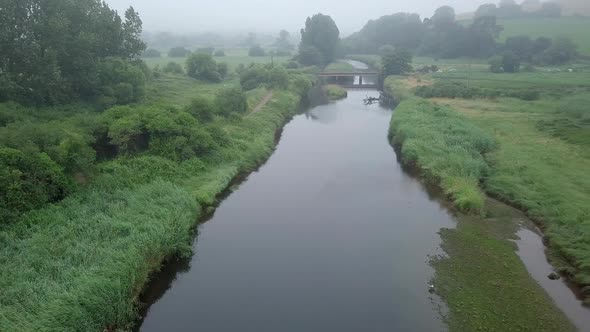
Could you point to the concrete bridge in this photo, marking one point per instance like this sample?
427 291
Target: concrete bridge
355 79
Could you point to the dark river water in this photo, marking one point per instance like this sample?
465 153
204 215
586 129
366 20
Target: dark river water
329 235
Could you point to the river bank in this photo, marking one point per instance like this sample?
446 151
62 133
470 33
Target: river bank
82 263
473 284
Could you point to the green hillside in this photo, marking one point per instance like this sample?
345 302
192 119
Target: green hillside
576 28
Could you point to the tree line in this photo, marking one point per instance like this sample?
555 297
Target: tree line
443 36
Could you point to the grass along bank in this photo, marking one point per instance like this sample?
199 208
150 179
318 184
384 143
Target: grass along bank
483 281
543 156
80 264
335 92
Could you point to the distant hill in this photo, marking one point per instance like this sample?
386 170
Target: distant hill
576 28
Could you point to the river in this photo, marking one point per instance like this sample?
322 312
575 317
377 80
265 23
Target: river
329 235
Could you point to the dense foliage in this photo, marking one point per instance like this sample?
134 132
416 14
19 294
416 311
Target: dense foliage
203 67
55 51
446 148
319 41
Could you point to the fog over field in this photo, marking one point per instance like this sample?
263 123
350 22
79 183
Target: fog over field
272 15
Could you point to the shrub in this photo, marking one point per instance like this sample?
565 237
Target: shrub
28 181
510 62
496 64
232 100
203 67
253 77
202 109
278 78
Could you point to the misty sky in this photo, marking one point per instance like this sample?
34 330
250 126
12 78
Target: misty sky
273 15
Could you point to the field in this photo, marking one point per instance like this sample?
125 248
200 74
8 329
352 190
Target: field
233 58
539 164
80 264
575 28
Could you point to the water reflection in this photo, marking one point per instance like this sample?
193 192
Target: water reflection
330 235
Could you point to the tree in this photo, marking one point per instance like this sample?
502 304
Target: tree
488 9
51 50
320 36
443 16
256 51
562 50
202 67
310 55
133 46
509 9
220 53
521 46
283 42
397 62
178 52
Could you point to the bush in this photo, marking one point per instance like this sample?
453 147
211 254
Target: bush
203 67
232 100
171 133
335 92
151 53
178 52
173 68
278 78
256 51
496 65
28 181
220 53
253 77
510 62
202 109
450 89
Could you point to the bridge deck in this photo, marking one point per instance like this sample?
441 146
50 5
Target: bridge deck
349 74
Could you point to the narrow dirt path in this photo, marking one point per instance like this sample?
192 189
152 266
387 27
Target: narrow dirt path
263 102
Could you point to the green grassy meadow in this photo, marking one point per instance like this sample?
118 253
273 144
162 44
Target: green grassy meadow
233 58
539 164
